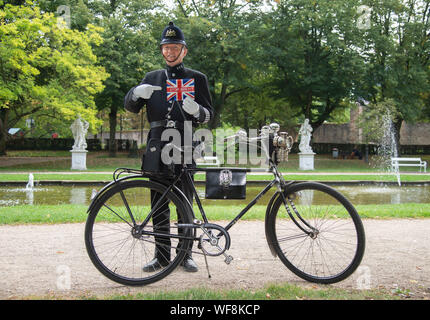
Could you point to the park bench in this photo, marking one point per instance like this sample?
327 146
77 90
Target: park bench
408 162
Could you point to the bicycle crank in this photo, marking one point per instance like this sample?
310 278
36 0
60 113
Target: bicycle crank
215 241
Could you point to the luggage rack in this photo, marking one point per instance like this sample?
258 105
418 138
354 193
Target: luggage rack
119 171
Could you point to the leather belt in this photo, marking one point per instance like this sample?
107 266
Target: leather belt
166 124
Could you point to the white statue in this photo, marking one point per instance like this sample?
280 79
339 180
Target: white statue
79 130
274 127
305 133
265 131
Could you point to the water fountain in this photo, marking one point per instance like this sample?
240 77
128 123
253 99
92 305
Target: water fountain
376 122
29 189
30 183
388 146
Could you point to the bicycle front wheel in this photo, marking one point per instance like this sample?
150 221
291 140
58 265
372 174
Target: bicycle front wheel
316 232
120 250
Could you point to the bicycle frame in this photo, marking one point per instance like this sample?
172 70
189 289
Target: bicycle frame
186 173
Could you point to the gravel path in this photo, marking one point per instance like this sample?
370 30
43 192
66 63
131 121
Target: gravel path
41 260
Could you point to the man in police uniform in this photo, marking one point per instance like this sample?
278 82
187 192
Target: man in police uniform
165 110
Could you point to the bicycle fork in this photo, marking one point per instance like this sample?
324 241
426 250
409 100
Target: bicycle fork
313 233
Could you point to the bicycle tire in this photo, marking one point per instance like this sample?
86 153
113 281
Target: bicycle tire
325 255
110 235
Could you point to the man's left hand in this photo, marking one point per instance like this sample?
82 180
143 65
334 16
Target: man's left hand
191 107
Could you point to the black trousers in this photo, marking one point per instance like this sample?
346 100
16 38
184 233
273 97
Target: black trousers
161 221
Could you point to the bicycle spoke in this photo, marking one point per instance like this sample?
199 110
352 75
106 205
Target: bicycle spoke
116 214
124 199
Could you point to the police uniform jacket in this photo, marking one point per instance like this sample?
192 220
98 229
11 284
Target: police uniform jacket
158 108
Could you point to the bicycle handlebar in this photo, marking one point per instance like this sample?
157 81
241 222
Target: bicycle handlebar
278 142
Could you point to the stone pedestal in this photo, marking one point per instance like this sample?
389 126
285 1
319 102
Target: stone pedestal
306 160
79 159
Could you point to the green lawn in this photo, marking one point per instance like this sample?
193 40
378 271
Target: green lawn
96 161
277 291
100 161
67 213
38 153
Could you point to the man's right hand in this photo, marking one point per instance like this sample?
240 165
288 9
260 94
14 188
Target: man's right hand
144 91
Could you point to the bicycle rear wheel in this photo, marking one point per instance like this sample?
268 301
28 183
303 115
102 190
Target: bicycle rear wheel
117 247
322 240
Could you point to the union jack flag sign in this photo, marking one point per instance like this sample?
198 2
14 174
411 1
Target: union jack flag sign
179 89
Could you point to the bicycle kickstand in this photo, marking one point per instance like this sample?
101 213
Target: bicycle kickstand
207 265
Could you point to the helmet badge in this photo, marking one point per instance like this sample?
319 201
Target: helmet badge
170 33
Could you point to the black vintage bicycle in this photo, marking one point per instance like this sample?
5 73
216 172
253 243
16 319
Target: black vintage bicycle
313 229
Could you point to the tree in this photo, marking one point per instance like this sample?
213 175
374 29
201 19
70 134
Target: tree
128 53
222 41
398 57
45 68
314 48
129 49
258 106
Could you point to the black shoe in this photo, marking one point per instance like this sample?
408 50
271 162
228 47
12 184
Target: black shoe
189 264
154 265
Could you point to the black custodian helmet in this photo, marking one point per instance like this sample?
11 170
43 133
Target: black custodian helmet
172 34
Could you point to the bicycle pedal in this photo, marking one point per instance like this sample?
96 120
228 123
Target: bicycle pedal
228 259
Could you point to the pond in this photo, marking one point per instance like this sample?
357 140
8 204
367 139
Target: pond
81 195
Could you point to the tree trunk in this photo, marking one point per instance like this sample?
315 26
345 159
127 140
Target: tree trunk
3 130
112 131
2 143
246 122
397 124
307 107
218 107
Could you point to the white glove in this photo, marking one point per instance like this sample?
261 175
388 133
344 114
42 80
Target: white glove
144 91
191 107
